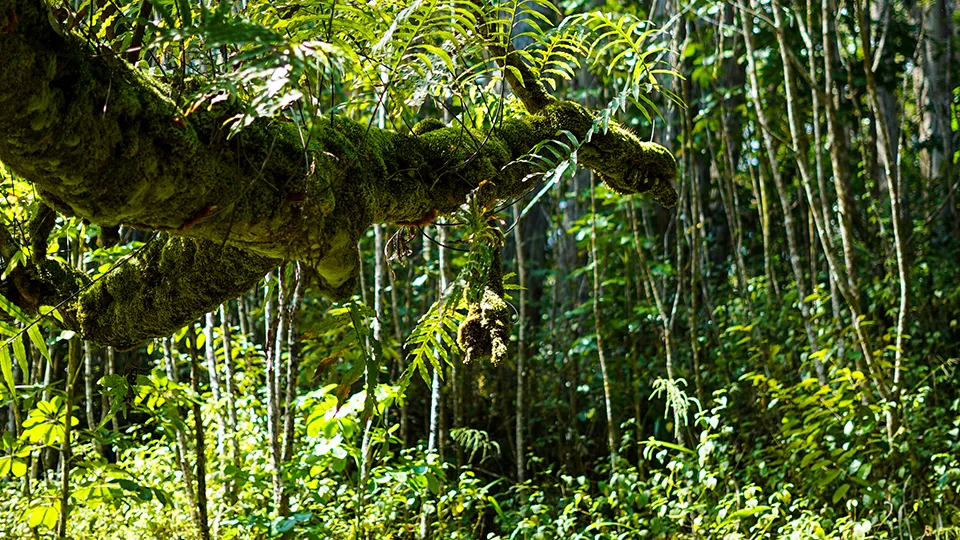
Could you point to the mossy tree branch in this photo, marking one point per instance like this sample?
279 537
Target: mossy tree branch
104 142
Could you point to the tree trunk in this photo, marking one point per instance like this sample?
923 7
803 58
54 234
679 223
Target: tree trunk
210 356
290 382
521 348
231 395
199 434
274 321
66 447
612 439
182 447
88 378
890 168
786 205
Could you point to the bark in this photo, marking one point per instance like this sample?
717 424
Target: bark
102 141
521 348
433 437
199 438
290 381
273 320
88 377
597 292
850 295
231 395
66 446
210 357
890 166
837 143
171 369
375 344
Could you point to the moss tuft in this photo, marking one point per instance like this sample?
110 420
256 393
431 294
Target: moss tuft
484 334
168 283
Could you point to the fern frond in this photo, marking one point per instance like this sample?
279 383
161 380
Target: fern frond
475 440
434 336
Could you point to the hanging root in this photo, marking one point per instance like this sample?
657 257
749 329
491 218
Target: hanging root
40 226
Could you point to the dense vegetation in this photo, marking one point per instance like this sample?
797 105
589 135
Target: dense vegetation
773 357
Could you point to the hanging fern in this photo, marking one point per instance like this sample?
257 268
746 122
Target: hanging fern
434 336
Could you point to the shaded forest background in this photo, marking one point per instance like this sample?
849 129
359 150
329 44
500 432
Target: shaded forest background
774 357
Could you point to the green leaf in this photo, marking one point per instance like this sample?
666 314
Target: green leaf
11 465
283 525
433 484
744 513
13 311
840 492
183 7
829 477
43 515
20 353
6 366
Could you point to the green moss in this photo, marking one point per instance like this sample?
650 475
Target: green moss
427 125
484 333
104 142
167 285
46 283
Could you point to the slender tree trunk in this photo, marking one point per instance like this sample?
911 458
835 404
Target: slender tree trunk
273 319
786 206
398 335
836 141
88 378
231 395
521 348
850 294
111 369
890 168
696 223
210 355
199 436
181 452
433 439
597 292
242 316
377 347
66 447
292 371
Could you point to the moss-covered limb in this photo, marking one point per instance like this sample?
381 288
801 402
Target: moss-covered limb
169 284
624 162
436 170
49 282
104 142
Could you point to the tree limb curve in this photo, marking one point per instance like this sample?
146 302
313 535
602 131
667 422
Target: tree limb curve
104 142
